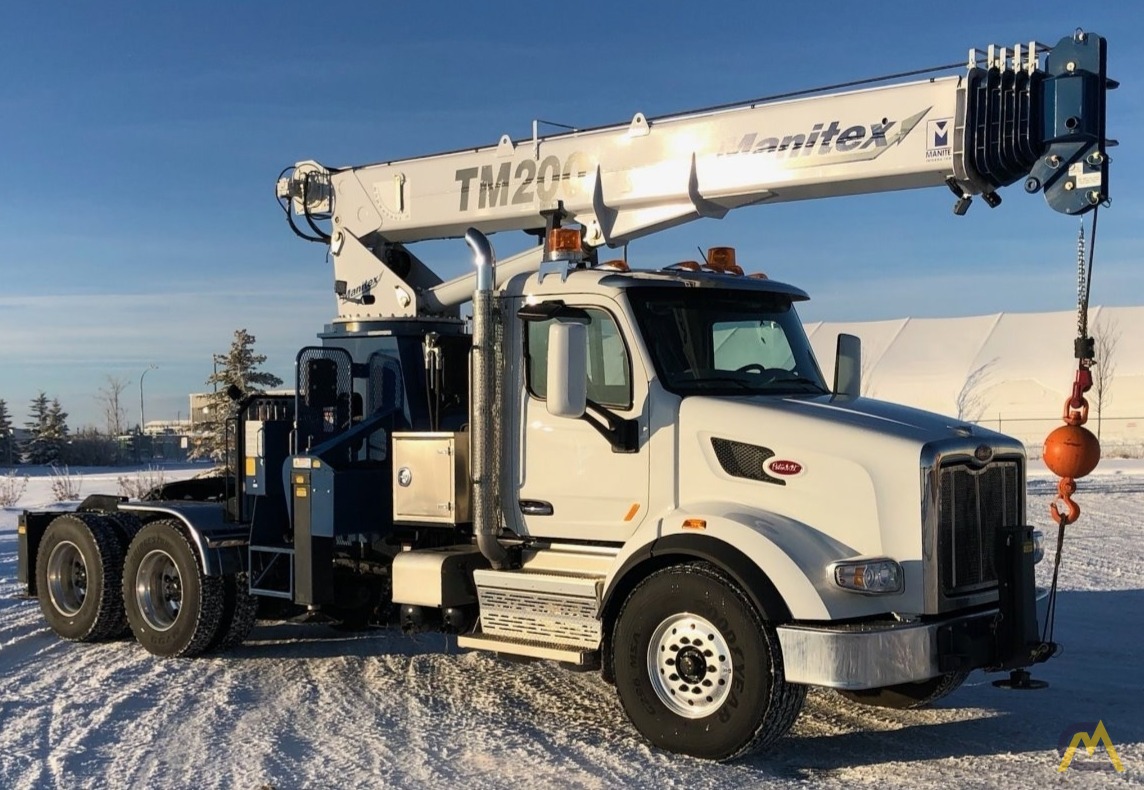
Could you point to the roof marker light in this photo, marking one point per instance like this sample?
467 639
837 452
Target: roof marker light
618 265
722 259
562 241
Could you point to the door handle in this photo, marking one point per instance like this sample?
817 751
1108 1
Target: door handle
535 507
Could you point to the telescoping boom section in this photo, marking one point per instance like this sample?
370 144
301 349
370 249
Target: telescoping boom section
1031 113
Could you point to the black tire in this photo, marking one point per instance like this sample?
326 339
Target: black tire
239 611
730 697
127 526
78 570
904 696
174 609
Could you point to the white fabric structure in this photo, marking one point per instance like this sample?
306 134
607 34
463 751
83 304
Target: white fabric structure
1009 370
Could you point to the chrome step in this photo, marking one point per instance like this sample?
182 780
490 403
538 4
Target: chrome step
580 657
554 609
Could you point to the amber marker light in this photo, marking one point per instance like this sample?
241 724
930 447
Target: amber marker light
618 265
722 259
564 241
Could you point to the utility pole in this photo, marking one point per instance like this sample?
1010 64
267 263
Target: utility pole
142 418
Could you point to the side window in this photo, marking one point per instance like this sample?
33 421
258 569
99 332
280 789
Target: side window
609 368
739 343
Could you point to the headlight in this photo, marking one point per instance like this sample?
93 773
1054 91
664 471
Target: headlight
869 576
1038 546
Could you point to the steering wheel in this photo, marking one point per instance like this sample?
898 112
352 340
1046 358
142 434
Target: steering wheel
751 367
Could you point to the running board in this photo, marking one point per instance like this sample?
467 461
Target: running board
556 609
579 657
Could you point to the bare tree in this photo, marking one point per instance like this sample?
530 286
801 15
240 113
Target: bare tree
110 398
971 400
867 369
1106 334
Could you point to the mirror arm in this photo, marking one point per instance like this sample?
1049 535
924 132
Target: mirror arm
622 434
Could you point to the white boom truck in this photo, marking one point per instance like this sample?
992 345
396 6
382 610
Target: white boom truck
637 470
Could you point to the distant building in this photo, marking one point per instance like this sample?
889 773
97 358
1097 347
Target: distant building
166 427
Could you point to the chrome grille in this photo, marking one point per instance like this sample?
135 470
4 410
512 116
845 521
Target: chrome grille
974 503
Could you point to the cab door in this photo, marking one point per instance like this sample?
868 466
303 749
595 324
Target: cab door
571 484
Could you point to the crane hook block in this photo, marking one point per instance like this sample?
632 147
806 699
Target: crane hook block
1071 451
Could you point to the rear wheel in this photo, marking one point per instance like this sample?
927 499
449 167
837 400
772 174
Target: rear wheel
173 607
78 570
127 527
697 669
239 611
908 695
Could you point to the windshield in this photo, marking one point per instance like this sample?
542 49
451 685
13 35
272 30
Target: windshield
726 342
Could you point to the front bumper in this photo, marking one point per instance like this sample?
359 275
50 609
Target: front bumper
871 655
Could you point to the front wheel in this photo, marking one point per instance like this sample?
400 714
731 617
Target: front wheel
174 608
697 670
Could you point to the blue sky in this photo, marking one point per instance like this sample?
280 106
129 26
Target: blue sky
141 143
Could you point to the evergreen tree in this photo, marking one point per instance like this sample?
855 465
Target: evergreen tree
43 446
7 450
57 427
239 368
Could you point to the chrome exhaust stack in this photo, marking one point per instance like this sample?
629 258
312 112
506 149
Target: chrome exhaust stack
482 408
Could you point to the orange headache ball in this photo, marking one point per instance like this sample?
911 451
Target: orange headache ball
1071 451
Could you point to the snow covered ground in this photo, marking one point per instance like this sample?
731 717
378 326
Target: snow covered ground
310 707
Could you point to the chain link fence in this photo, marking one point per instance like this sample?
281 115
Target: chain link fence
1120 437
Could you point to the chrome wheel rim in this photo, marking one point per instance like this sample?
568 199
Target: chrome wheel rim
159 590
67 578
689 663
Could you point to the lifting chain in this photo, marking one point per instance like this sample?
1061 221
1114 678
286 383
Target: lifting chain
1071 451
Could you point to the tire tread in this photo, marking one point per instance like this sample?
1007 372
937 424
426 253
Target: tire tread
211 598
127 526
784 701
240 612
109 615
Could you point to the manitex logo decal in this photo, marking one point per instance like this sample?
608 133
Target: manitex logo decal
359 292
938 143
1074 758
834 140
